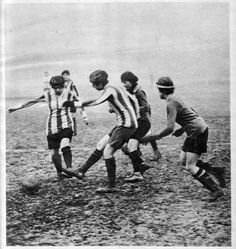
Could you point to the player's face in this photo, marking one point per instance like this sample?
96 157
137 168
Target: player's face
161 95
65 76
127 85
98 86
58 90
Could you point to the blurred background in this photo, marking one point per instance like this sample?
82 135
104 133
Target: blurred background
187 41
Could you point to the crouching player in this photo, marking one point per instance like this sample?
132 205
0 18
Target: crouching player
197 136
126 108
59 124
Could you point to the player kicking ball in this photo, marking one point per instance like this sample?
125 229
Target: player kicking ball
196 142
126 108
59 127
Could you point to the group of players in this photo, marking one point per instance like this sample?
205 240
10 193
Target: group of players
129 102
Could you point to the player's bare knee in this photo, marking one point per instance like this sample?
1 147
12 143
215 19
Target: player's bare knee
65 142
191 168
132 145
108 151
102 143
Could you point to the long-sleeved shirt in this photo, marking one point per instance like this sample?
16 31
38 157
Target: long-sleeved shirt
144 106
124 105
70 86
59 117
178 111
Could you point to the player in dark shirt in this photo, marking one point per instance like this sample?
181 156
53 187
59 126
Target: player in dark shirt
130 82
196 141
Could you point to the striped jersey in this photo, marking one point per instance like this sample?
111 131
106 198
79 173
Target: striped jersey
123 104
59 117
70 86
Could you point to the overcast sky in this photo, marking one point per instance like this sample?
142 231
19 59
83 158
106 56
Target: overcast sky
184 40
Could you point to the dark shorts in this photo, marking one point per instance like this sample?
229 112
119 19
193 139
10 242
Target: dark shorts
120 135
73 109
144 126
54 140
197 145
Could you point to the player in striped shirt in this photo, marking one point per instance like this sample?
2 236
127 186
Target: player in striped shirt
196 142
126 108
130 82
69 84
59 127
46 80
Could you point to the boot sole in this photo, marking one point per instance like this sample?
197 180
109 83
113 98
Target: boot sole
135 180
221 177
105 191
218 195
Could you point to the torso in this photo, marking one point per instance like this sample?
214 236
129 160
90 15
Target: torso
186 116
59 117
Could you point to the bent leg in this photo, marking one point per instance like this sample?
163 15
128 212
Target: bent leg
157 154
182 158
66 152
56 159
202 176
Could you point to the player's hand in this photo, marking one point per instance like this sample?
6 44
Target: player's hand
178 133
68 103
10 110
86 120
111 110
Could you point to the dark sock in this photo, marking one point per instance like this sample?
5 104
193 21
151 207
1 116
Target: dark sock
136 160
111 171
206 180
56 159
67 155
95 156
203 165
154 145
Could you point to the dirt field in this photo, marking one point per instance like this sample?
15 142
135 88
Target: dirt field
169 208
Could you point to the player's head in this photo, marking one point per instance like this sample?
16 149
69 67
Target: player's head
65 74
46 73
57 83
129 80
99 79
165 86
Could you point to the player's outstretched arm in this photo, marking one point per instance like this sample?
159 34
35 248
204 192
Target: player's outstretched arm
26 104
84 115
178 133
147 139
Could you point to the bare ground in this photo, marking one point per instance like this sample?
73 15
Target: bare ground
169 208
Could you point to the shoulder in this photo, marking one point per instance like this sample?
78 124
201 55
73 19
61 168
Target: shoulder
139 91
112 88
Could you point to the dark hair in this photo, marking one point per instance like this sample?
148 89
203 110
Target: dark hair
129 76
99 76
57 81
165 85
67 72
166 91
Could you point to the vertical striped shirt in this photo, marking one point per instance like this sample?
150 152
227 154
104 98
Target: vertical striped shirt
59 117
124 105
70 86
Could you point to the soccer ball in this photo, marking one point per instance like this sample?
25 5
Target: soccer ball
30 184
